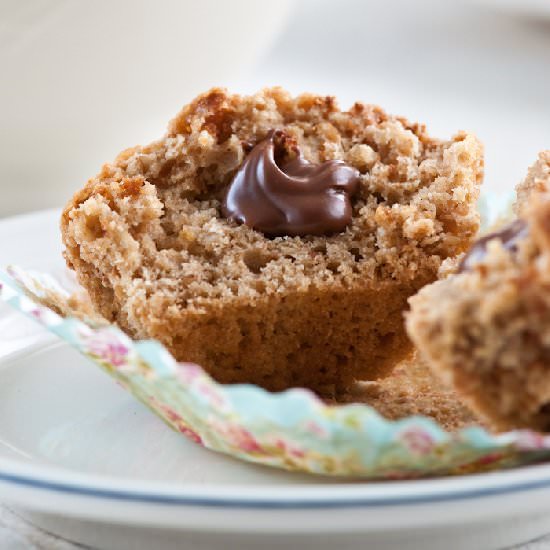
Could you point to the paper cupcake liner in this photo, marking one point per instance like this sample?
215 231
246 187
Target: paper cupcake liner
293 429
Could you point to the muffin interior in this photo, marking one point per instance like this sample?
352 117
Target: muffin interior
410 210
148 241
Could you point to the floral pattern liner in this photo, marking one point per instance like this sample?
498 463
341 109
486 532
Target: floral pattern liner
293 429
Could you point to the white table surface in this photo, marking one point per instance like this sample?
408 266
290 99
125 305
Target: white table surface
452 65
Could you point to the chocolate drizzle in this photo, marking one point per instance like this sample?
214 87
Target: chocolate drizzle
509 236
280 196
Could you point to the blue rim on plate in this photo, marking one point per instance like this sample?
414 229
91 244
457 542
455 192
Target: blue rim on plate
266 504
473 490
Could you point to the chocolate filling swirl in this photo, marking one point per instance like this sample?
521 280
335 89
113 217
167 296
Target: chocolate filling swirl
280 196
509 236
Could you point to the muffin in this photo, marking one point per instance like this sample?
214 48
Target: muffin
275 239
486 329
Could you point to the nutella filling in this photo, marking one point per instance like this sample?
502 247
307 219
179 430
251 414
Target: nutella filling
509 237
280 196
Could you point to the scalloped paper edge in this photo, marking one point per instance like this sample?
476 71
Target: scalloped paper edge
293 430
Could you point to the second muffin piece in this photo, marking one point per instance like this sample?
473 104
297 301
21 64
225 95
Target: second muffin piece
486 330
275 240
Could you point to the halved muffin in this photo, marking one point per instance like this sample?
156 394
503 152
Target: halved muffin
153 241
486 329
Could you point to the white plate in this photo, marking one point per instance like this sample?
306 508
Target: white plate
81 458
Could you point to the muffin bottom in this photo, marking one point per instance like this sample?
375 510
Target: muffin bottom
323 340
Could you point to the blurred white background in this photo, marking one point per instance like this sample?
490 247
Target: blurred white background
83 80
